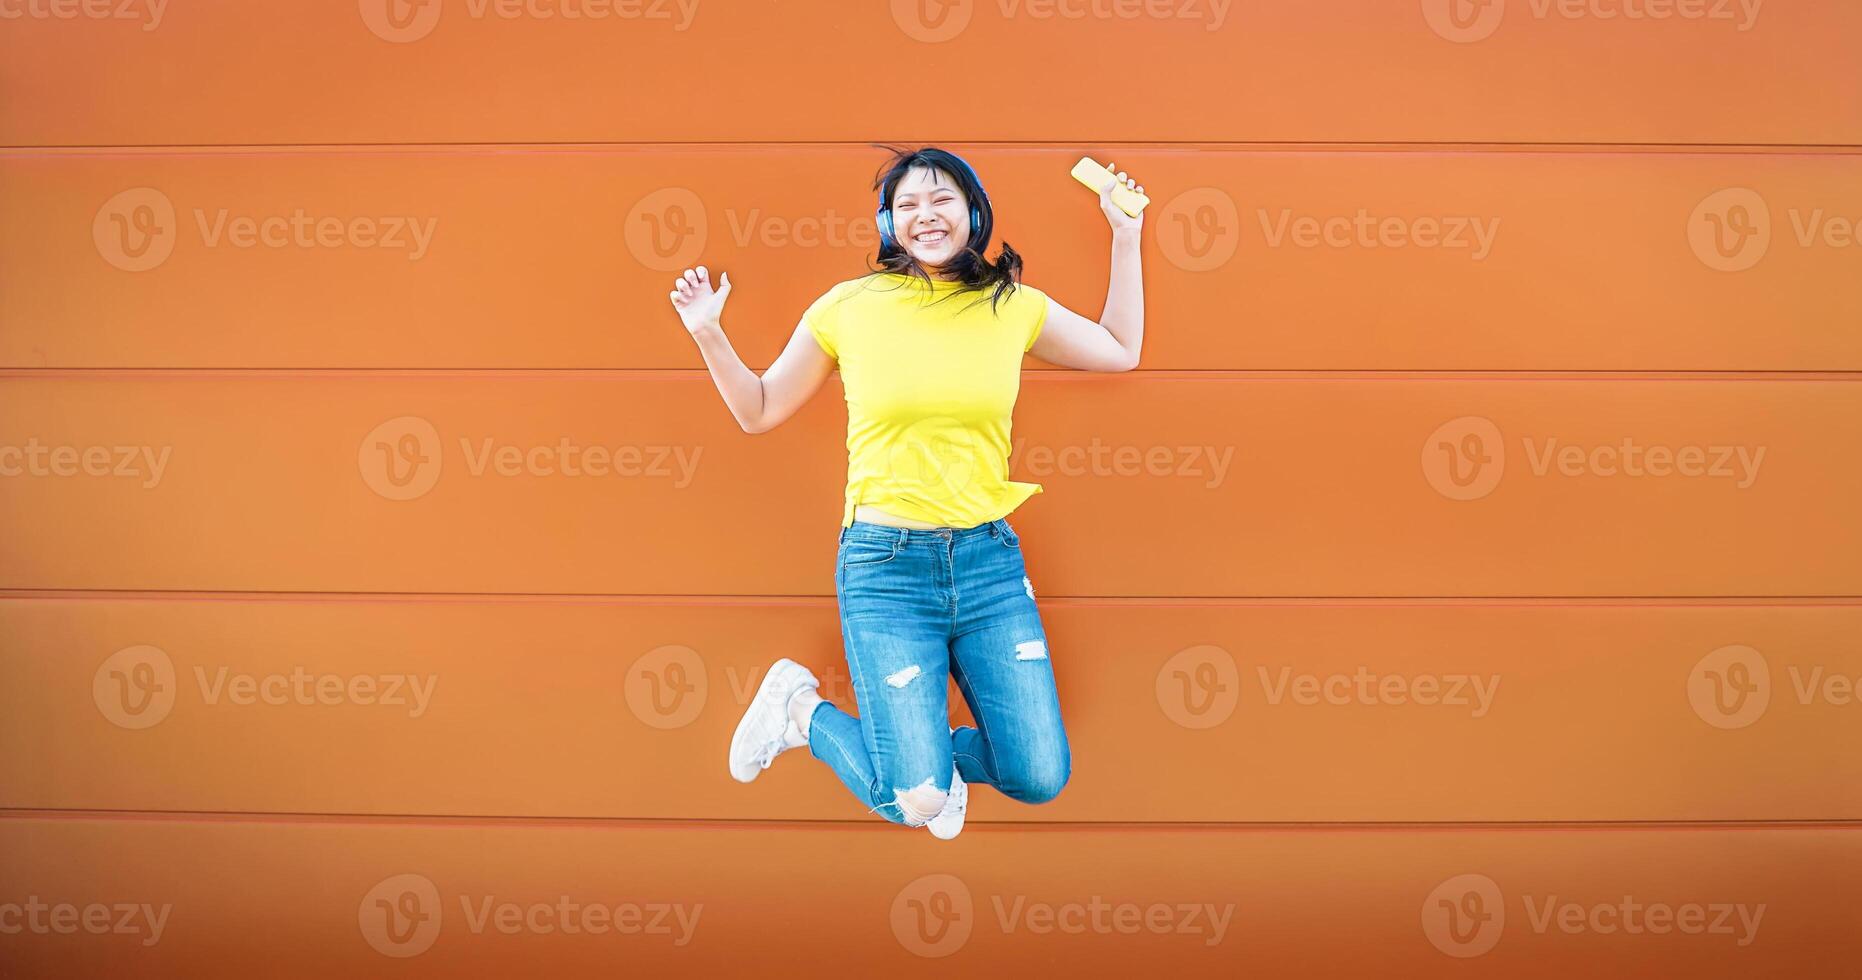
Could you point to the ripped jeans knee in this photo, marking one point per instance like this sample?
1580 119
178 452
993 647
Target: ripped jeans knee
913 807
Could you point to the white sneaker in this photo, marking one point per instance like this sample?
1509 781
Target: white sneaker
949 821
766 731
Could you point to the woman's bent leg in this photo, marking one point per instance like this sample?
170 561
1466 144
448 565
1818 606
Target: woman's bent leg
1001 663
896 754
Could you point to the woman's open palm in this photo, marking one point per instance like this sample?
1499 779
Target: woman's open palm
700 305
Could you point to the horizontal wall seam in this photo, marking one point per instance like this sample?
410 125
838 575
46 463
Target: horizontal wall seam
644 599
670 823
1028 374
1425 146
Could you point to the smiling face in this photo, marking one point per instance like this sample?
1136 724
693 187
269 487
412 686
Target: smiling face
931 216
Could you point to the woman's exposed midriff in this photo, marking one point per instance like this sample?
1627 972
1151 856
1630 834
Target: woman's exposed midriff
873 515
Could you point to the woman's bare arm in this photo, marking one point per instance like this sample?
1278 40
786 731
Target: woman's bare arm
762 403
1115 340
758 403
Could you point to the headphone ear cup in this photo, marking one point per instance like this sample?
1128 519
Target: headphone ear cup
884 220
976 223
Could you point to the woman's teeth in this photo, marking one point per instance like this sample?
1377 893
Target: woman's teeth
930 237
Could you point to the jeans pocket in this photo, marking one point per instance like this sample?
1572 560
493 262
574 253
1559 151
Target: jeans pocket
858 552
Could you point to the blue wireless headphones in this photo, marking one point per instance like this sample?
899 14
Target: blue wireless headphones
889 238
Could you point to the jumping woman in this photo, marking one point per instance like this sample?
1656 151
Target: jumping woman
929 574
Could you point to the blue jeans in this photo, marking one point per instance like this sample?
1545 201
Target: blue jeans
918 607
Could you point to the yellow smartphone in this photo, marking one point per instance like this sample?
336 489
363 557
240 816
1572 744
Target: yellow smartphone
1097 178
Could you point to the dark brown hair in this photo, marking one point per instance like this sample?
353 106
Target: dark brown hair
968 267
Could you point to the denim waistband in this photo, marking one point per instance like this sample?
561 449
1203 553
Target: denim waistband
907 535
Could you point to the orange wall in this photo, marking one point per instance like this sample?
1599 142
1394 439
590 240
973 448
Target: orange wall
1384 234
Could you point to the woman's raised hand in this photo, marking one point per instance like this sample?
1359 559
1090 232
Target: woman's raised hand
700 305
1115 215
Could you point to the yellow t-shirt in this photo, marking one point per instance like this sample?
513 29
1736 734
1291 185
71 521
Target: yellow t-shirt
931 379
